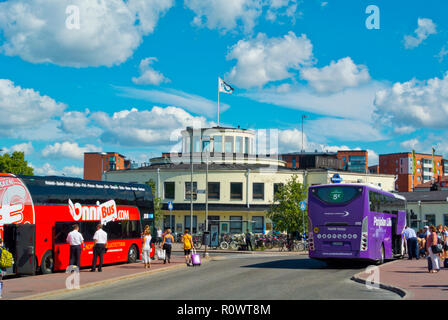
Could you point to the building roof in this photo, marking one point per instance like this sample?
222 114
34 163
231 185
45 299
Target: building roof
211 166
425 196
410 152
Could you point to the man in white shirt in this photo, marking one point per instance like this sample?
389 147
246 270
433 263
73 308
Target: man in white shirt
76 240
100 242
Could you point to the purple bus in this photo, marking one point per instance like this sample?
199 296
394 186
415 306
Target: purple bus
355 222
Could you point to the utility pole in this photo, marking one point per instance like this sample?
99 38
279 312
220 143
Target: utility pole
303 117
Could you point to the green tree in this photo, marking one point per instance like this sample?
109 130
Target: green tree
158 214
15 164
284 211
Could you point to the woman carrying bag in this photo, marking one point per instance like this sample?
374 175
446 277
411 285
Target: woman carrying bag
431 247
167 244
146 250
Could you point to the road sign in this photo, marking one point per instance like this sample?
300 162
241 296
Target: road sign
170 205
336 178
302 205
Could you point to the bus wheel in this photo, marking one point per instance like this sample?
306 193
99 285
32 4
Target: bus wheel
47 263
133 254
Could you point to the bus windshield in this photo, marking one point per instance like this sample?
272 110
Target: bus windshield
337 194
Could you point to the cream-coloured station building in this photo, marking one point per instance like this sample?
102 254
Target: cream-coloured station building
241 183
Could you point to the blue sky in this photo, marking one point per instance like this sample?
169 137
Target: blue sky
127 76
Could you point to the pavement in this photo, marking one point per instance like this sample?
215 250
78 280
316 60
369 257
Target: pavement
410 279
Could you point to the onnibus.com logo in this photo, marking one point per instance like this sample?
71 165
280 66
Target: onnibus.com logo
105 212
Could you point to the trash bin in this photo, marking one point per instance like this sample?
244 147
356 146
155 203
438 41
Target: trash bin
206 238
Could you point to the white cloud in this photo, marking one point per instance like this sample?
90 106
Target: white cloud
336 76
50 170
414 103
26 147
282 8
188 101
70 150
24 109
148 75
145 128
262 59
410 144
108 34
425 28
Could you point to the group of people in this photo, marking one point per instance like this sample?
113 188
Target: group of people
165 241
76 241
430 242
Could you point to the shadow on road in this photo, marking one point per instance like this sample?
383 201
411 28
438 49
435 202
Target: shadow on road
304 264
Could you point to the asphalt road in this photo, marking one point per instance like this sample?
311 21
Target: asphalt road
241 277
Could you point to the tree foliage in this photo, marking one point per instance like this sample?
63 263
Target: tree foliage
285 211
15 164
158 214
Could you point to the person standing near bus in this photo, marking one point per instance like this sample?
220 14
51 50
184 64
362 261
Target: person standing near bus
411 242
167 243
188 245
431 241
99 247
159 235
146 249
76 240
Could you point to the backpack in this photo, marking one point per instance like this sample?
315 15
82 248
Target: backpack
6 259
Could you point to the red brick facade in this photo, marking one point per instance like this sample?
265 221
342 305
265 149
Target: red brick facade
95 162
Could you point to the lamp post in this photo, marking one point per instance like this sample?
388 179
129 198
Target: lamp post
207 152
190 131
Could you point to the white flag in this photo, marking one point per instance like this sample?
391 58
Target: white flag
224 87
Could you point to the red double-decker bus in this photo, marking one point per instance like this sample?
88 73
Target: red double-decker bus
37 213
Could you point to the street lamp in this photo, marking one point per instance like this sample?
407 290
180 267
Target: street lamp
190 131
207 152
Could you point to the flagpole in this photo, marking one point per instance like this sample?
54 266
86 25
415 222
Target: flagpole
218 101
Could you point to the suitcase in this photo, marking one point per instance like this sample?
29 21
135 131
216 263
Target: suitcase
195 258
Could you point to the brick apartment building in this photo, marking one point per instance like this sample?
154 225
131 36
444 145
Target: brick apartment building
401 165
96 163
346 160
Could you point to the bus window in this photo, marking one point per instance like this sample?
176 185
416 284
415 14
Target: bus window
88 229
337 194
61 231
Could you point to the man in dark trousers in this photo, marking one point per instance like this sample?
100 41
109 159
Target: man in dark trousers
248 240
99 247
76 240
411 242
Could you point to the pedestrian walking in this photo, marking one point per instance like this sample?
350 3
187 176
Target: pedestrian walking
445 242
2 270
411 243
99 247
188 245
248 240
75 239
167 244
159 236
146 249
431 243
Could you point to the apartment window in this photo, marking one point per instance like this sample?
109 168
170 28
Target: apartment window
167 224
419 170
236 224
236 191
213 190
217 144
205 144
169 190
246 145
196 144
418 161
258 191
293 162
188 190
419 179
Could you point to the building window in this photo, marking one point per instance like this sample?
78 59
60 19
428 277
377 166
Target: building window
236 191
206 144
167 224
246 145
277 187
431 219
169 190
258 224
187 225
445 219
236 224
217 144
293 162
229 144
239 144
258 191
213 190
188 190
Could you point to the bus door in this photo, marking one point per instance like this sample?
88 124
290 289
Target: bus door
20 239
